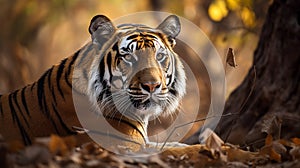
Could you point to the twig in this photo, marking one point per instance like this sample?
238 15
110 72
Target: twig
192 122
243 104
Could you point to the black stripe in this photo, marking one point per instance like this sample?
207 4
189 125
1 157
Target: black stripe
49 78
162 37
128 123
117 59
115 47
42 98
23 132
12 109
71 64
172 90
133 41
101 70
67 81
32 86
54 125
51 89
62 121
132 37
85 74
103 91
108 62
151 36
73 61
58 76
53 95
24 101
41 95
18 106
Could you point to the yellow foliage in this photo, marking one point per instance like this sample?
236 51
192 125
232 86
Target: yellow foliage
233 4
217 10
248 17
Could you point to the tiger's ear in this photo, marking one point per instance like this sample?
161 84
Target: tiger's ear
101 28
170 26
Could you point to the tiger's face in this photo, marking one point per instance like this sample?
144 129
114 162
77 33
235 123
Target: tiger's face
139 75
142 75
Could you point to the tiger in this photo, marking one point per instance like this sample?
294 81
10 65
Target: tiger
129 72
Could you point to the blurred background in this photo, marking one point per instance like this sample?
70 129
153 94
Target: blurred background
36 34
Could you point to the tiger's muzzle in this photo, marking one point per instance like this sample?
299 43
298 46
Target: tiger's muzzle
147 88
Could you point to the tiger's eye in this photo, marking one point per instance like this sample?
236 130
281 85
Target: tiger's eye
160 56
128 57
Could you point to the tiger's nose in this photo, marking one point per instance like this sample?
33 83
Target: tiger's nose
150 86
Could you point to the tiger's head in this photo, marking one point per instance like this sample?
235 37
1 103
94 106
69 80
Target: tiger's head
136 73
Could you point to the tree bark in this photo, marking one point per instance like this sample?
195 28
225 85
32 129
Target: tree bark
273 107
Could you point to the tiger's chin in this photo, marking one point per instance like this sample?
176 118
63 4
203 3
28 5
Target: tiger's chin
151 108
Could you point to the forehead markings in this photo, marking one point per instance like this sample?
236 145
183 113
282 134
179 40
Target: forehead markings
136 41
130 37
129 29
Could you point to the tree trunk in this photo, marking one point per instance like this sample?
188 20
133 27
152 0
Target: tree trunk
273 107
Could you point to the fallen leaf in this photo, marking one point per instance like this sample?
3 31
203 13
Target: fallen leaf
177 152
275 150
296 141
207 152
57 146
234 154
279 148
270 152
214 143
286 143
268 140
70 141
91 148
230 58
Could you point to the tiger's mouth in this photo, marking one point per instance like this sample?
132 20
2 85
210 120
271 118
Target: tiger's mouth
146 101
139 105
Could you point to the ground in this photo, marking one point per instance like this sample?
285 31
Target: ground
55 151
